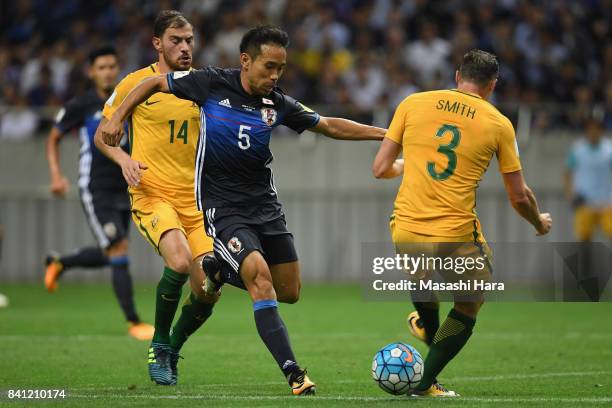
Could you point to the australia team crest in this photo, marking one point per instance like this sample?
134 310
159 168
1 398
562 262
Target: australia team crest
268 115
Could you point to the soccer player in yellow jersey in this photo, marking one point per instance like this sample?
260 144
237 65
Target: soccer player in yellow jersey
163 135
448 138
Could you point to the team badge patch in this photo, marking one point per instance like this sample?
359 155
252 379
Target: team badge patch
154 221
234 245
110 230
179 74
268 115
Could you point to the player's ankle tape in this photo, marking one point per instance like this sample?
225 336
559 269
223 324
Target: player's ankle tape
264 304
119 260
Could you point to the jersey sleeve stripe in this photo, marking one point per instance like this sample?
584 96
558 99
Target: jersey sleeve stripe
316 121
199 164
170 81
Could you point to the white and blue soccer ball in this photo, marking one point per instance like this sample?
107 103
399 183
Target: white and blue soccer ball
397 368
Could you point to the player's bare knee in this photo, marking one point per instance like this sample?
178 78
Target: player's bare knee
288 293
196 281
196 287
196 274
179 262
118 249
290 296
180 265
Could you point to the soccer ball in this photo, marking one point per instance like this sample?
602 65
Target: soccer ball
397 368
4 302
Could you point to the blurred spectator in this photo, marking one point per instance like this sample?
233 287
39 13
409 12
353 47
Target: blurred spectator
428 55
554 54
330 89
42 93
233 30
607 112
588 182
399 84
365 83
326 29
17 121
583 107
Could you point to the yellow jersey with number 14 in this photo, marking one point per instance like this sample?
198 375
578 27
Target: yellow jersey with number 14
448 138
163 134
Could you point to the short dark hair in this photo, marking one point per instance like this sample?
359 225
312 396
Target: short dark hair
479 67
99 52
265 34
168 19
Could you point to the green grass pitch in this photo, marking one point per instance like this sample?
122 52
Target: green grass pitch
537 354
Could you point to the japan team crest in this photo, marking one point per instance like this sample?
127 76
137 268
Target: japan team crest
268 115
234 245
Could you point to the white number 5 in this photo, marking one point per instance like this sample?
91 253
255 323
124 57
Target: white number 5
243 137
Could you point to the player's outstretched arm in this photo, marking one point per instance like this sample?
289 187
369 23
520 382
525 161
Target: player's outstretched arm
112 131
524 202
386 164
131 169
344 129
59 183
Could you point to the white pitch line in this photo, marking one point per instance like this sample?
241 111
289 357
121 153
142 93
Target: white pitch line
233 397
591 400
352 335
77 337
528 376
367 381
506 377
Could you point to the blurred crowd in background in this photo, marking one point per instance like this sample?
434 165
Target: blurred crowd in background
355 57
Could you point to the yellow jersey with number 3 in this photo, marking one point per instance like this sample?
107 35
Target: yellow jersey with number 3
448 138
163 134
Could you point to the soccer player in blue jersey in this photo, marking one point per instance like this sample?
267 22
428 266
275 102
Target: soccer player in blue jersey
239 108
102 191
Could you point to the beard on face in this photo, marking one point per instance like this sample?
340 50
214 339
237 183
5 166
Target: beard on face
177 64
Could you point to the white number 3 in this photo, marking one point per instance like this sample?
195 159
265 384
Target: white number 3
243 137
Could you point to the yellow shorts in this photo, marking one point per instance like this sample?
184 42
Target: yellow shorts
467 257
587 219
156 215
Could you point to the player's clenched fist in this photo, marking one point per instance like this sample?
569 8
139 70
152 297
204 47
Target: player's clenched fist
59 186
545 224
112 132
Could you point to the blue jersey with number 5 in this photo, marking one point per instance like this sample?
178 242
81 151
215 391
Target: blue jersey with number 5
233 157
